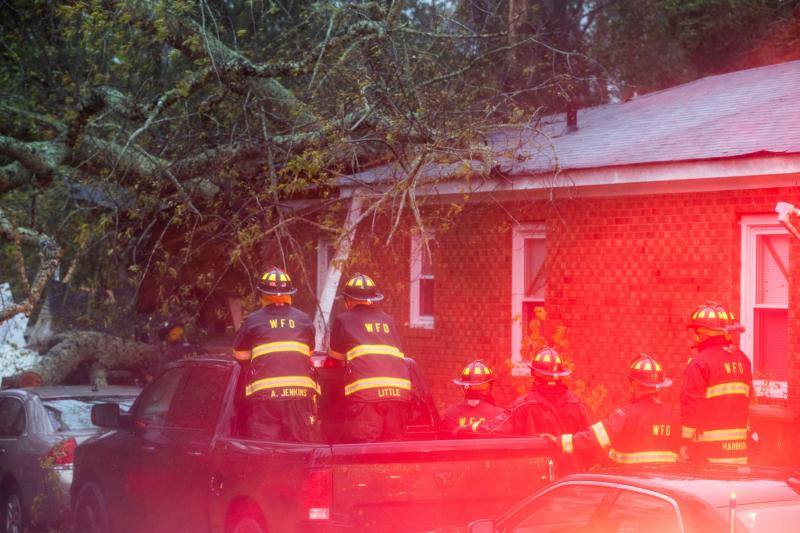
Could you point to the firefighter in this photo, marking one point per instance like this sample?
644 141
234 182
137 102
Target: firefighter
378 391
174 344
274 344
478 404
715 397
643 432
549 407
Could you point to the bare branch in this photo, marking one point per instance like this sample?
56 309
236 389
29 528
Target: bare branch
50 254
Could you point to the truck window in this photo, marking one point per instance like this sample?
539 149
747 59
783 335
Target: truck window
199 401
152 407
567 508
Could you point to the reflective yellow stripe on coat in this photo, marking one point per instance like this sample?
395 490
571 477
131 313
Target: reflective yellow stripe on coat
688 432
282 346
728 460
643 457
601 434
376 383
566 444
374 349
280 382
725 389
717 435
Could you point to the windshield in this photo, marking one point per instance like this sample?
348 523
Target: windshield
68 414
769 518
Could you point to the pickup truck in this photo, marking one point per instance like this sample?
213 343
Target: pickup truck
178 463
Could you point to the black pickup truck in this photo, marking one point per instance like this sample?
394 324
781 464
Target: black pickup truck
177 463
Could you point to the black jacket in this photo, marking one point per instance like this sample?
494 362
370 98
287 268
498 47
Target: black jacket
280 339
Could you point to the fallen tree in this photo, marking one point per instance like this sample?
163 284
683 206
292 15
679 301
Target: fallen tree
89 354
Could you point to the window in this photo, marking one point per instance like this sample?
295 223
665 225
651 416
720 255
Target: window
572 507
422 284
197 405
528 285
326 249
70 414
635 511
153 404
12 417
765 302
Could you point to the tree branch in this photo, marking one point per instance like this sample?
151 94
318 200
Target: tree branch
50 254
13 176
43 158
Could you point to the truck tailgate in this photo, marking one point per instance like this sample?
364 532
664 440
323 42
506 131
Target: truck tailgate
422 485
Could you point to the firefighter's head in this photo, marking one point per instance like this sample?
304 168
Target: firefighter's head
712 320
275 287
361 290
646 376
476 380
547 366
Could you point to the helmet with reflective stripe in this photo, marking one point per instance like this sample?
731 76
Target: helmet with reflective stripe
648 372
548 364
713 316
362 288
475 373
276 282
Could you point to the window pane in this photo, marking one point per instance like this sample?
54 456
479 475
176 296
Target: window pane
155 400
426 297
67 414
198 403
772 267
634 511
425 264
534 283
12 417
528 314
570 508
771 342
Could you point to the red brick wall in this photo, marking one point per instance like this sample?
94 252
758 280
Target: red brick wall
623 273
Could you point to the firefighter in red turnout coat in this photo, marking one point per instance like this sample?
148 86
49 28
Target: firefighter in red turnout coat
643 432
549 407
717 384
274 343
378 391
478 404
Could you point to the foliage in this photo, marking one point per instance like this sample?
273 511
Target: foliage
541 334
172 147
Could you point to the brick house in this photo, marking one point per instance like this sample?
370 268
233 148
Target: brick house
618 225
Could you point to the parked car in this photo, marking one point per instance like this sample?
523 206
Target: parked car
178 462
673 499
40 428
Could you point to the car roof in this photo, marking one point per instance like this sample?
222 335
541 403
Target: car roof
77 391
713 484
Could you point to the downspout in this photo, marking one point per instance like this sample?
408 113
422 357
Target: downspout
344 244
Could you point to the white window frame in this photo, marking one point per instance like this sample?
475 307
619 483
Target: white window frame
322 263
752 227
521 232
416 320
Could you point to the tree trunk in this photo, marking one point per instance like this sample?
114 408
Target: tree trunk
106 351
